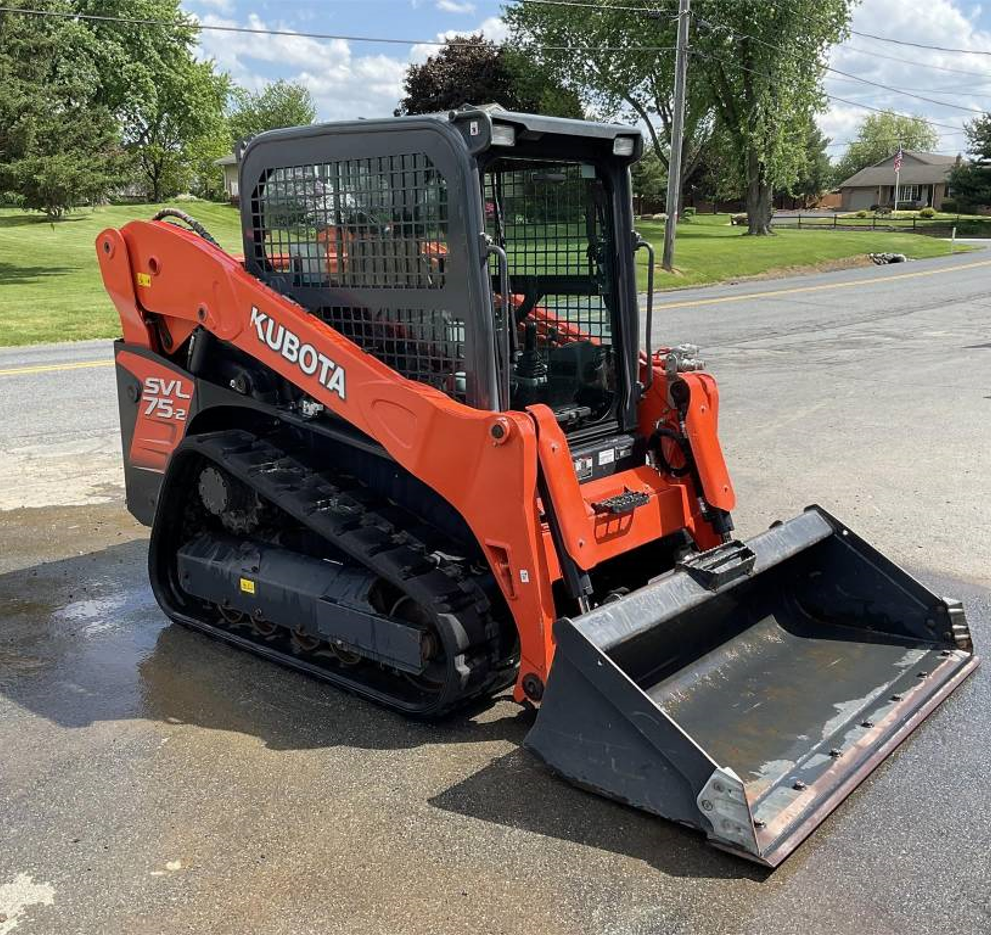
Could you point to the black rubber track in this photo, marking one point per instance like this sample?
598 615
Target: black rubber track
370 530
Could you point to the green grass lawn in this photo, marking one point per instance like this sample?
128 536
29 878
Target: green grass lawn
709 250
51 290
50 285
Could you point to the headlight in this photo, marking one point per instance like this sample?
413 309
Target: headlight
623 146
504 135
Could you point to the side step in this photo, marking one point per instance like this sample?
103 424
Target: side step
750 690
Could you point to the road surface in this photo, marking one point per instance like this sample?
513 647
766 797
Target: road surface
154 781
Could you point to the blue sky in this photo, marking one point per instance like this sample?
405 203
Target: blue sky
358 79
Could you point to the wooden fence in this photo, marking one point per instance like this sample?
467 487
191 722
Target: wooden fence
979 227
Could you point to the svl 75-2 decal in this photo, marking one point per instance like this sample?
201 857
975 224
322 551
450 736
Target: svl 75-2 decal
166 399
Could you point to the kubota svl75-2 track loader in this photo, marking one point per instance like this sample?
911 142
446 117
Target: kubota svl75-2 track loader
411 444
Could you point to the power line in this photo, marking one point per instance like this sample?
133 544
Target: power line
840 143
604 5
913 64
921 45
950 89
255 30
260 31
903 93
836 71
888 110
855 49
832 97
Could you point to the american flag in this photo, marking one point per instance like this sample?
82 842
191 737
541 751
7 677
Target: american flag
898 160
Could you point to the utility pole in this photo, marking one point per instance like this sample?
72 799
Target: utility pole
677 135
898 173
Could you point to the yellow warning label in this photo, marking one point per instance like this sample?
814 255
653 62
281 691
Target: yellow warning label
247 586
144 279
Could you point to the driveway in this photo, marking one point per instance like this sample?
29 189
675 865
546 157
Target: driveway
155 781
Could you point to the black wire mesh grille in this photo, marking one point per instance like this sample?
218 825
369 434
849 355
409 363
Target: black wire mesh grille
379 222
550 218
541 210
427 345
368 223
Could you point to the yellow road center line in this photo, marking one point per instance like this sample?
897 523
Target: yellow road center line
54 368
719 300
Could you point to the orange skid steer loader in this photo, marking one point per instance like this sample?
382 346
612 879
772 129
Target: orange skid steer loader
411 444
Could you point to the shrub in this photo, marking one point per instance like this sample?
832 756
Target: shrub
973 228
927 213
688 212
951 205
862 214
883 211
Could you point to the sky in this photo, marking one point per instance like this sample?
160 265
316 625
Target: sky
350 79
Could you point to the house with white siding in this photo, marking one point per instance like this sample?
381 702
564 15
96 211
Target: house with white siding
229 166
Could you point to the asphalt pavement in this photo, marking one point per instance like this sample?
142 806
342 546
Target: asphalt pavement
60 442
152 780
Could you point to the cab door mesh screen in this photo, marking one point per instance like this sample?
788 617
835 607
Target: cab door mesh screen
549 217
378 223
427 345
373 223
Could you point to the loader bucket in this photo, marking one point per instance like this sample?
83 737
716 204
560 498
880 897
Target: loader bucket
747 692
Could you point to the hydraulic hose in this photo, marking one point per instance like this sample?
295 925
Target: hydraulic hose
188 220
682 443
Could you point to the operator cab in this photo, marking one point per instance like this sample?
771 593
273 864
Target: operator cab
393 232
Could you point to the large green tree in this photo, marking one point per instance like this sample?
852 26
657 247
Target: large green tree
754 78
58 143
649 180
473 70
618 58
816 174
177 133
971 182
879 135
171 106
763 63
78 94
279 104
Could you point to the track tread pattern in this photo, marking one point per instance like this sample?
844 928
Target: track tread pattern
373 531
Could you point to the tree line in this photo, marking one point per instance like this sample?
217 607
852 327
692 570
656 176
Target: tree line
754 91
94 109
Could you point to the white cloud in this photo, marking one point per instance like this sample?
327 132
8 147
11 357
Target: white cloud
936 22
451 6
345 83
493 28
